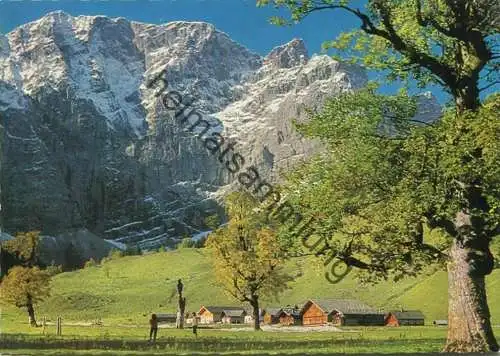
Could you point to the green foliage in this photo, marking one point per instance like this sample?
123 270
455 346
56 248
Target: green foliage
24 285
495 250
133 250
433 42
115 254
137 286
247 256
467 151
52 270
90 263
25 247
200 243
186 243
212 221
383 176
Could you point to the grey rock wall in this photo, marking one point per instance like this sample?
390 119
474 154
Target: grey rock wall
86 143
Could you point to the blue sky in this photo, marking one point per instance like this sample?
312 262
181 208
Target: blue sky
240 19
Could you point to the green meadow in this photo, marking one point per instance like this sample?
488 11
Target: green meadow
123 292
132 341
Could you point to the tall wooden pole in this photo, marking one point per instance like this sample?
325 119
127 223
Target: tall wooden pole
59 326
181 306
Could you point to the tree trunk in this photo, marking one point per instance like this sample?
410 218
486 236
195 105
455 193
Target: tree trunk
469 327
256 316
467 95
178 319
31 312
182 308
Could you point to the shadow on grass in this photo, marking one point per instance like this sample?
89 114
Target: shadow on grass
204 345
65 353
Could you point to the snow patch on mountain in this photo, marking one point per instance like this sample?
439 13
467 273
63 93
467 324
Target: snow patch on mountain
88 143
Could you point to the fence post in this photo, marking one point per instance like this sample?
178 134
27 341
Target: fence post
44 324
59 328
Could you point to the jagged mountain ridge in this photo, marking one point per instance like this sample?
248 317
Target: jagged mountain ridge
87 144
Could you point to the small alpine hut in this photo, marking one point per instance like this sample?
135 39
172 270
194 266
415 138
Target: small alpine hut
166 318
214 314
271 315
233 316
290 316
404 317
340 312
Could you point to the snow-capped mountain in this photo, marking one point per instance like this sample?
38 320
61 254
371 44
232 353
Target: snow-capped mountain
87 144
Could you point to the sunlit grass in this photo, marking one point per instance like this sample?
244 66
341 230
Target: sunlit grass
129 289
124 292
76 340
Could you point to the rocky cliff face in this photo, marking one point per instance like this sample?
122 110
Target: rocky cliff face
86 143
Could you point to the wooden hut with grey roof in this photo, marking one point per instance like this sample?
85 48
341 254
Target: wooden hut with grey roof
340 312
215 314
404 317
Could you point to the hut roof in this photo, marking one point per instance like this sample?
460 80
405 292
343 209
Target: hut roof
165 317
218 310
291 312
234 313
272 311
408 314
345 306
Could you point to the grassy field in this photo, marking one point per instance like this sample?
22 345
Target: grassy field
129 289
116 340
122 293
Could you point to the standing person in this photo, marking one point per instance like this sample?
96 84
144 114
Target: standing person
195 324
153 322
179 287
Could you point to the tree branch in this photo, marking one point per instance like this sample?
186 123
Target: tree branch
489 85
464 30
433 250
425 22
443 71
444 224
421 122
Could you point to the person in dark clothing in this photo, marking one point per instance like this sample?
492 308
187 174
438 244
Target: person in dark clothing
153 322
179 287
195 324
